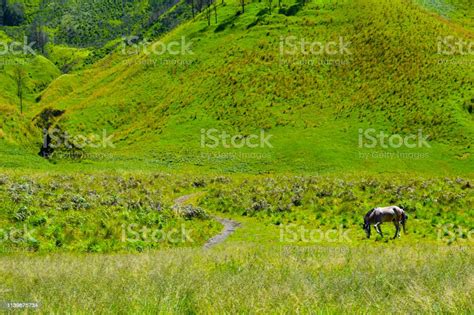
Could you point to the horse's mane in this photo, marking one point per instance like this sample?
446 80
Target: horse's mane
367 216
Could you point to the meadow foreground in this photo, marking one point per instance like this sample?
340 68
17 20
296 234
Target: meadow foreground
248 278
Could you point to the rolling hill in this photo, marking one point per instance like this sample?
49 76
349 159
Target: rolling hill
244 75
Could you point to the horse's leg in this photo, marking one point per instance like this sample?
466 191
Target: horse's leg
378 229
397 229
404 228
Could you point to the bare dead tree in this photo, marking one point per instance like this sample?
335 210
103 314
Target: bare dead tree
208 12
215 10
19 75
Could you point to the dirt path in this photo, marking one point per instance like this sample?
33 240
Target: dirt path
229 225
181 200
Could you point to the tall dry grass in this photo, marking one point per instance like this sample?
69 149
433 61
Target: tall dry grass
248 279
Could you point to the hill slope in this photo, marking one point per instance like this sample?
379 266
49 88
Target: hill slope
237 80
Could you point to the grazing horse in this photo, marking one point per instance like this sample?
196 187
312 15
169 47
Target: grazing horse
378 216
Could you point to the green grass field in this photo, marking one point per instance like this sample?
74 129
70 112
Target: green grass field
249 278
300 247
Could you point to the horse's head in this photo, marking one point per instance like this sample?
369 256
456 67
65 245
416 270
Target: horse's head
404 213
366 224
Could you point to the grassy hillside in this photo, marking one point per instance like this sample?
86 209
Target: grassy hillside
17 130
65 37
236 80
88 23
